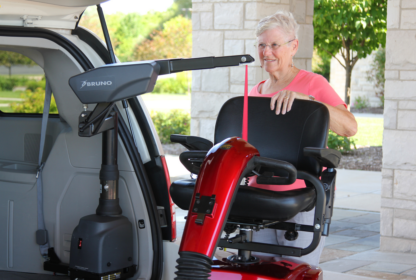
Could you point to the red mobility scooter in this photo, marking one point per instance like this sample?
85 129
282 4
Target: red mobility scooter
279 150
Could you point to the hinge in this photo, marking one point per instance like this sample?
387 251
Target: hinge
28 20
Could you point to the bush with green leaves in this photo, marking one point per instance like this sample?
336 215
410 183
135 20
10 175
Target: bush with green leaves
179 85
8 83
361 102
33 103
376 73
172 122
340 143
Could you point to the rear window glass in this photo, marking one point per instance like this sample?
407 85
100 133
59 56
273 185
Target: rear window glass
22 85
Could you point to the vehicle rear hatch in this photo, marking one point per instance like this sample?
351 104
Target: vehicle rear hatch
62 14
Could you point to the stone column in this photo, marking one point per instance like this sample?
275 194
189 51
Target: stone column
223 27
398 203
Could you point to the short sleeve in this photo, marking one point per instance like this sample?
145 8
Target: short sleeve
323 92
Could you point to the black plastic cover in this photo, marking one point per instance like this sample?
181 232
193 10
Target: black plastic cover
114 82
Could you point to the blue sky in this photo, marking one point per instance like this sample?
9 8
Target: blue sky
138 6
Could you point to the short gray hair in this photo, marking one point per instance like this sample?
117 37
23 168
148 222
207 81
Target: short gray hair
282 19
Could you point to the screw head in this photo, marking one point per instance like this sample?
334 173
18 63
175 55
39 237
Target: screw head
195 209
208 211
243 59
317 226
198 201
109 264
106 187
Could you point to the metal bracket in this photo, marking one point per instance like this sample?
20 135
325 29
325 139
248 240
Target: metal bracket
28 21
204 205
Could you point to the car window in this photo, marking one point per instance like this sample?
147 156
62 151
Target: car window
22 85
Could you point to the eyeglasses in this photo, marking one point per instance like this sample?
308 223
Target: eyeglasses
273 46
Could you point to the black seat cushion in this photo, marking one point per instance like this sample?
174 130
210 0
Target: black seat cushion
253 203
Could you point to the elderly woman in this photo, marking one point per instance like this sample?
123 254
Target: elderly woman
277 43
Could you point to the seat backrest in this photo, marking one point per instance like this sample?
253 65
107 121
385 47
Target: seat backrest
280 136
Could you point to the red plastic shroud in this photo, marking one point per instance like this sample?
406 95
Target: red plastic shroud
265 270
219 175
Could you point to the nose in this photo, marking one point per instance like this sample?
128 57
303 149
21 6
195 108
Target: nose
267 48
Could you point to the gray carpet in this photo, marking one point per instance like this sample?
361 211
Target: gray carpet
8 275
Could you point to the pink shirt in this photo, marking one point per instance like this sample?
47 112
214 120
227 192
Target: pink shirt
310 84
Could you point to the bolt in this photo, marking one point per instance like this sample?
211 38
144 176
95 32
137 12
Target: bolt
195 209
83 115
317 226
243 59
106 188
109 264
198 201
239 258
210 203
208 211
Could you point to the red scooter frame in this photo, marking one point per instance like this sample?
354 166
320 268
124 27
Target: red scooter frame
220 175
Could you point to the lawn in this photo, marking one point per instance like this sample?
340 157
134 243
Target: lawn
10 94
370 132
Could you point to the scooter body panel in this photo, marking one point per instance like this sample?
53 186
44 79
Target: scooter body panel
280 270
219 176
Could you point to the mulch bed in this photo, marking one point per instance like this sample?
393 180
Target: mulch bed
366 158
368 110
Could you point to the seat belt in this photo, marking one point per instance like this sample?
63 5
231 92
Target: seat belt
42 233
245 108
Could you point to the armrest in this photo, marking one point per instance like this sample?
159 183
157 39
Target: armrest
192 160
276 165
192 142
326 157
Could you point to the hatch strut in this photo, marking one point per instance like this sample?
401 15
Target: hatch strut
113 60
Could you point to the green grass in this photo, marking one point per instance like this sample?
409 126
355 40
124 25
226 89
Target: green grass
370 132
10 94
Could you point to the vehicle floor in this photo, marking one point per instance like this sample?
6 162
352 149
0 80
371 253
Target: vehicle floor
12 275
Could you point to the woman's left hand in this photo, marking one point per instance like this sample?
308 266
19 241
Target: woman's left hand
283 100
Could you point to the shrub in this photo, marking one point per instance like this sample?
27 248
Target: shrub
32 85
376 73
7 84
340 143
178 85
33 103
172 122
361 102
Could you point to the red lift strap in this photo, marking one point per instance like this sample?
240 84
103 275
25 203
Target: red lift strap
245 108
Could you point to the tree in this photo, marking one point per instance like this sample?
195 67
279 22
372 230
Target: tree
126 30
175 40
9 59
353 28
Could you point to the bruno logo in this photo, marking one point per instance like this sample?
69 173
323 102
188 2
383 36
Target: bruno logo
95 84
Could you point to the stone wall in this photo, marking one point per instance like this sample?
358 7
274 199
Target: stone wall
398 213
360 86
223 27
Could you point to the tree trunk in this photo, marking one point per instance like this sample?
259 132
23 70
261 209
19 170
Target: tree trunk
348 71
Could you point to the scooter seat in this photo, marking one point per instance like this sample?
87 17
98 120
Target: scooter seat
253 203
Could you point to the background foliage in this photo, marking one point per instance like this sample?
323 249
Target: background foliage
353 28
376 73
172 122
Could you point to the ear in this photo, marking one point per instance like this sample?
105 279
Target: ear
294 45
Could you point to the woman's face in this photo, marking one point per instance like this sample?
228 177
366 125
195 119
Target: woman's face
274 52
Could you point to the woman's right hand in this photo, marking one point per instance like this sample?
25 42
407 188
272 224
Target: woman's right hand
283 100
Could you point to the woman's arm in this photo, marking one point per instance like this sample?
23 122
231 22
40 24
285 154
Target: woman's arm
341 121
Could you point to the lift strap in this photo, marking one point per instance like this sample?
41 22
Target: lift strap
42 233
